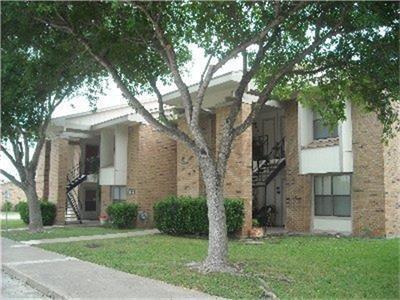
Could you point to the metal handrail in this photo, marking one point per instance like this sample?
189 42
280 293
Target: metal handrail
277 152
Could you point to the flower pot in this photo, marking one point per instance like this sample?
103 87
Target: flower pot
103 220
256 232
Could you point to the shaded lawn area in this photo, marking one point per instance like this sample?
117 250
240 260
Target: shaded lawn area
11 224
60 232
305 267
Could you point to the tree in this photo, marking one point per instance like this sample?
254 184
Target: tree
38 72
293 48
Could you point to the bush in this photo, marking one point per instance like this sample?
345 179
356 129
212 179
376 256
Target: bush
48 210
188 215
122 214
18 205
7 206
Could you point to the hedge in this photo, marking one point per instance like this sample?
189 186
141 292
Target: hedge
122 214
188 215
48 210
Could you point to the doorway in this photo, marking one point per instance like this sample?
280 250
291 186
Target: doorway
90 204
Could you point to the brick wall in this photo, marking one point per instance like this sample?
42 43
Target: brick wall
15 194
60 162
297 188
391 157
151 168
105 198
42 173
238 175
238 178
189 178
368 193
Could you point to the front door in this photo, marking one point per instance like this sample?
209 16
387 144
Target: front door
90 204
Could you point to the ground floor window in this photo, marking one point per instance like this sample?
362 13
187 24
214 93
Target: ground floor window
332 195
118 193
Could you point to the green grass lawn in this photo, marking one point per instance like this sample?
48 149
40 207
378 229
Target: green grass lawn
60 232
11 224
301 267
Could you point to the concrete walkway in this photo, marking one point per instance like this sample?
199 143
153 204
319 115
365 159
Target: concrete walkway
64 277
92 237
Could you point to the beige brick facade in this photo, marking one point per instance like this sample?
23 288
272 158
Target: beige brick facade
105 198
189 178
297 188
151 169
60 162
157 166
42 173
238 178
391 157
11 193
368 190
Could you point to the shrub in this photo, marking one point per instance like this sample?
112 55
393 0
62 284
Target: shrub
188 215
17 206
48 210
7 206
122 214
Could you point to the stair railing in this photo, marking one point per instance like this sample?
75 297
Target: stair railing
277 153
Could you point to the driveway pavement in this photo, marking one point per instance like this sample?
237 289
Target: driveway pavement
60 276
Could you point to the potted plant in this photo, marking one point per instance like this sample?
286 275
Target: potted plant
257 231
103 219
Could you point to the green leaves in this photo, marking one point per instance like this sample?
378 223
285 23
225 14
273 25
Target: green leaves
122 214
188 215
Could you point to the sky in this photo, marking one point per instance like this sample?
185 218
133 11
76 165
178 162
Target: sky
113 96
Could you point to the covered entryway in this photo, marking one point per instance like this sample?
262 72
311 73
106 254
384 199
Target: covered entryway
268 167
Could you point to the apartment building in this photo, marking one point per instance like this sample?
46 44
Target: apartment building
288 165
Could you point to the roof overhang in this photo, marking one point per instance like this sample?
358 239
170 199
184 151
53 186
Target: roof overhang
126 119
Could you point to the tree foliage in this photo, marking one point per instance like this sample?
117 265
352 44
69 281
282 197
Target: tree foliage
320 53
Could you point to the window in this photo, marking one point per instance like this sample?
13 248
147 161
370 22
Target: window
332 196
118 193
320 130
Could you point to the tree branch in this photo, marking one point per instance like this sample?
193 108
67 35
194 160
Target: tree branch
12 179
170 58
173 132
8 154
161 110
287 68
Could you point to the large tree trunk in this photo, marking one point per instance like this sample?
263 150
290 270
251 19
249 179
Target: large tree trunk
217 258
35 214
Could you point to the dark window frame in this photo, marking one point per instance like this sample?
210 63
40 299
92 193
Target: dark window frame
331 196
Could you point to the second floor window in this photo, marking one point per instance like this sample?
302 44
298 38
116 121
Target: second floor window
322 131
118 193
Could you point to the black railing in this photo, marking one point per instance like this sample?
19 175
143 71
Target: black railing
269 164
75 177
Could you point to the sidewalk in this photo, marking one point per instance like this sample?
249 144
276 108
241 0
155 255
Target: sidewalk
92 237
59 276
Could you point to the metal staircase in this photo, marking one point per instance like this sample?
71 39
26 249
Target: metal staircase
75 176
265 168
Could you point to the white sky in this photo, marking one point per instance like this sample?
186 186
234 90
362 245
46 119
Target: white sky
113 95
